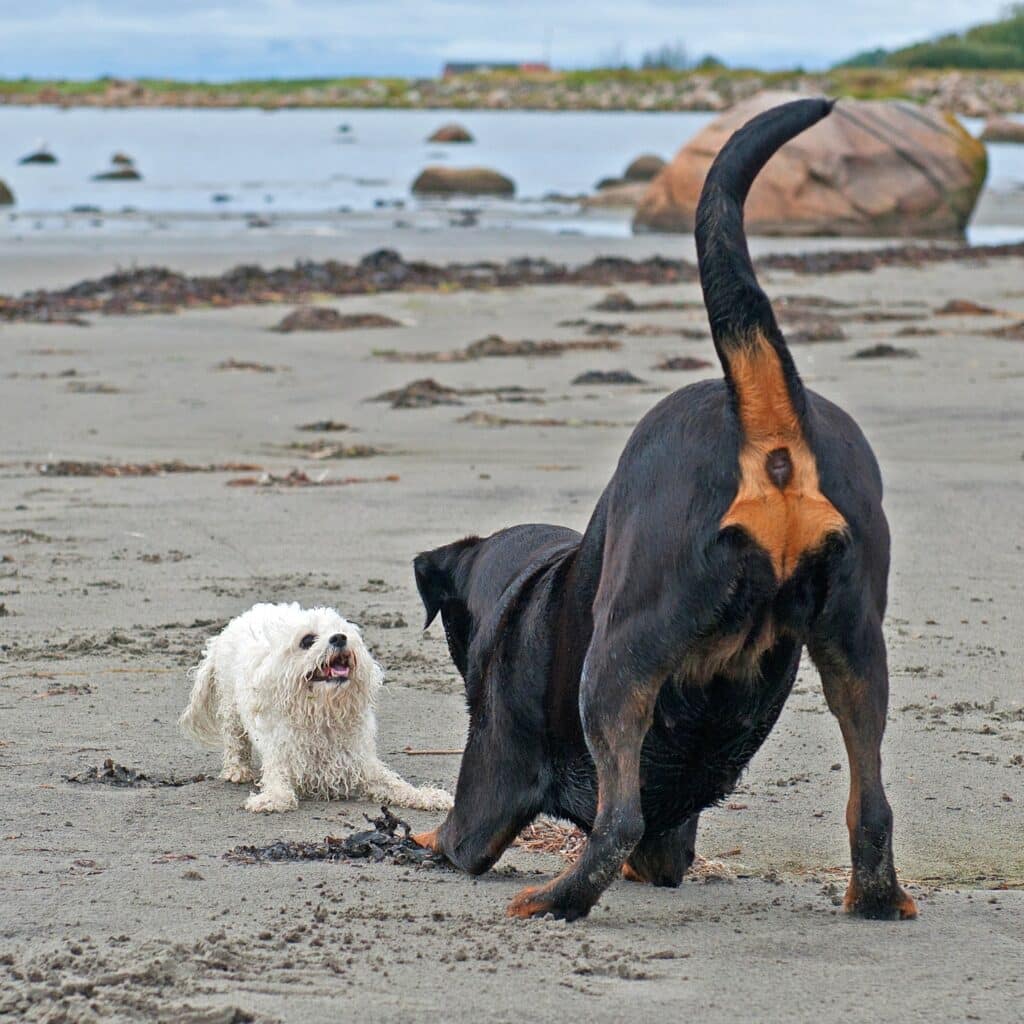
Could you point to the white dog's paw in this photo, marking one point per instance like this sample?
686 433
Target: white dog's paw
430 799
237 773
268 803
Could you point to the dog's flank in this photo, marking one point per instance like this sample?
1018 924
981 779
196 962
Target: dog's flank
779 501
295 688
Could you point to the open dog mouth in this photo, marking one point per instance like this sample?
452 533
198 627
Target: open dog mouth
336 669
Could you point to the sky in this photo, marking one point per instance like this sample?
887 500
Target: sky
219 40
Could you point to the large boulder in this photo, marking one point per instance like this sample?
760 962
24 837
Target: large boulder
6 195
879 169
466 181
1002 129
451 133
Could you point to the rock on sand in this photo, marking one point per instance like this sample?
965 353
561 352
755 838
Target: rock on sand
469 181
870 169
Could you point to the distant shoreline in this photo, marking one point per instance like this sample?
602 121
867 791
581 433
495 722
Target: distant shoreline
974 94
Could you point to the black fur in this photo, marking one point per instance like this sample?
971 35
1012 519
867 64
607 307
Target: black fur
589 661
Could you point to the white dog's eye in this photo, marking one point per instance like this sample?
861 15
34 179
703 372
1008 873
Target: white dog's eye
307 641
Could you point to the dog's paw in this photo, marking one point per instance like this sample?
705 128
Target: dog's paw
543 900
268 803
429 799
237 773
428 840
893 905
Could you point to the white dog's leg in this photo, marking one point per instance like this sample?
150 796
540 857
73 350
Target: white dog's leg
381 783
276 791
237 751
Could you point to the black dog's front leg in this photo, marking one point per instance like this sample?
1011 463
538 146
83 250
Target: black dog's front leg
497 795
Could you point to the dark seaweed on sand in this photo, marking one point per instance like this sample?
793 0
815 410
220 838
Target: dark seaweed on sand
158 289
110 773
388 841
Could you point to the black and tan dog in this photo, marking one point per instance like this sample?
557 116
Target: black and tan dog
624 679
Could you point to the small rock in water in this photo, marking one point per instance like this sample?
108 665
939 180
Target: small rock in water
476 181
42 155
118 174
451 133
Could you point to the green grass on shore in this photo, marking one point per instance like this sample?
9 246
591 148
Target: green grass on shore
468 91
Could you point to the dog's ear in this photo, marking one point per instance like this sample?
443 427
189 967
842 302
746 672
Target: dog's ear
435 575
432 581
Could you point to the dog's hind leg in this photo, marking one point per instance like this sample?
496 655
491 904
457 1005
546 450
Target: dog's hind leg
664 859
855 677
617 700
237 751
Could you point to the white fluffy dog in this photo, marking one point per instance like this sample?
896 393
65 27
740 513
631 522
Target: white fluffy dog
299 686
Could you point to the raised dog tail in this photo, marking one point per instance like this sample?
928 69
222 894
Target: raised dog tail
739 312
199 719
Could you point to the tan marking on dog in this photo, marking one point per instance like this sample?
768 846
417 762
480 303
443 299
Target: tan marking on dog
737 656
790 521
529 902
428 840
631 874
903 903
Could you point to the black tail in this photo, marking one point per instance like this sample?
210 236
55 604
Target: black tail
737 308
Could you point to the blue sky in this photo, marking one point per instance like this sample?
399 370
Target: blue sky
224 39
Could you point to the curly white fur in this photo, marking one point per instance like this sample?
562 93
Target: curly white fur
253 691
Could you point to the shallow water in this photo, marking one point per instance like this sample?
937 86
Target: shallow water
297 161
219 166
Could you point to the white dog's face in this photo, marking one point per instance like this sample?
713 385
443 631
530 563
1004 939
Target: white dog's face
316 650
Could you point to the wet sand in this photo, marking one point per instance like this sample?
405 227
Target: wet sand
118 902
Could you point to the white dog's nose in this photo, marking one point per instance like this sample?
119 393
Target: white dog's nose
338 640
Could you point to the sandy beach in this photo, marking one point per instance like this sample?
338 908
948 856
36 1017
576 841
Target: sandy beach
119 903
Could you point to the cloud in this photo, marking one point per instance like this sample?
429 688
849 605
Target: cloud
223 39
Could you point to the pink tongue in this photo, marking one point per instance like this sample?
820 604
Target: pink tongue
338 671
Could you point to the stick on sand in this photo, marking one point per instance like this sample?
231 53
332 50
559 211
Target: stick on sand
415 753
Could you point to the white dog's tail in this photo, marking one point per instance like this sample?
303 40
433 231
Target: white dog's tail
199 719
